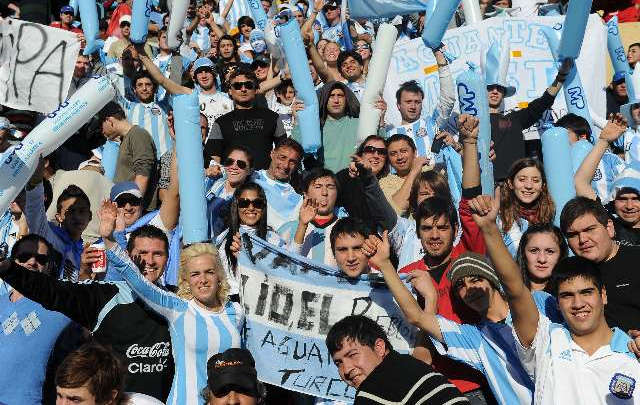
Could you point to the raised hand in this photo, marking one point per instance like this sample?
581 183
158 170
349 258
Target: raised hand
383 251
484 209
616 126
468 126
108 214
236 244
422 282
308 210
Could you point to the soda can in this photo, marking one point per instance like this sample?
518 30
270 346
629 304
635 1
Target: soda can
100 266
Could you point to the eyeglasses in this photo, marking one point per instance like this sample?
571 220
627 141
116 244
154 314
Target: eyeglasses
125 24
26 256
373 149
229 162
122 201
493 87
240 85
68 13
258 203
363 46
330 8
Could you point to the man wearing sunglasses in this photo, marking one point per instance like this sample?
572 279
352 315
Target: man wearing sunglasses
29 331
111 312
255 128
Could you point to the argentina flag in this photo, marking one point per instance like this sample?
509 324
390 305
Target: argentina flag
238 9
291 303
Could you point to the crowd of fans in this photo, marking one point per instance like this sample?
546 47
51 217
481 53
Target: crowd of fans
103 303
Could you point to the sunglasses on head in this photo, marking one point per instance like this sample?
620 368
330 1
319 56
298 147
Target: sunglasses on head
229 162
240 85
26 256
132 200
373 149
258 203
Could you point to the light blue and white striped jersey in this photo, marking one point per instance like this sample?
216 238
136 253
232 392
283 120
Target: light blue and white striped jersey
316 245
215 188
357 89
238 9
512 237
283 203
196 334
153 119
422 132
201 37
489 347
625 142
405 242
8 233
608 169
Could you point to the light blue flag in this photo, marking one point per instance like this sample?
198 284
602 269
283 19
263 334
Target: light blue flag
291 303
385 8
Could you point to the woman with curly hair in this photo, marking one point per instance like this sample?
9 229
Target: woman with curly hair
202 320
524 200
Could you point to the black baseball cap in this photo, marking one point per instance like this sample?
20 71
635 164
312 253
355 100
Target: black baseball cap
233 368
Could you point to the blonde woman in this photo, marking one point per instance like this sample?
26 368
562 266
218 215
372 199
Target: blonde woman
202 320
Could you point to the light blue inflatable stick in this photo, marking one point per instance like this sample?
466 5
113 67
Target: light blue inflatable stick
110 152
193 204
438 22
575 25
472 96
89 17
558 166
74 4
579 151
616 49
309 118
140 15
574 94
258 14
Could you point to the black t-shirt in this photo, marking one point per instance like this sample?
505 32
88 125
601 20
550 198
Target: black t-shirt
256 129
625 235
622 280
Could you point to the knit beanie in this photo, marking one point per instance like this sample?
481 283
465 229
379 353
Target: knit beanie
473 264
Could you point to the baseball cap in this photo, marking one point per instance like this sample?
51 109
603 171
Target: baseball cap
67 9
203 63
473 264
260 60
233 367
124 187
618 78
125 18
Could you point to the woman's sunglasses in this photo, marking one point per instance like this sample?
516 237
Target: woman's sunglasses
26 256
258 203
373 149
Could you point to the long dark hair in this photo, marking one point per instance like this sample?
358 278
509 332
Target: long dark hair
509 203
534 229
360 152
352 107
233 219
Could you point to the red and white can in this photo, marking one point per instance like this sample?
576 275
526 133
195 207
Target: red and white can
99 266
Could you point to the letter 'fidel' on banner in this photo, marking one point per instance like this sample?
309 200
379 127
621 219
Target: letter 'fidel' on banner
21 160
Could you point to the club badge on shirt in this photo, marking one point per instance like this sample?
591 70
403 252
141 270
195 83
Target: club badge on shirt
622 386
421 132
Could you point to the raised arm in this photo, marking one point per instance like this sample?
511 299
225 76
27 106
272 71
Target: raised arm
170 207
170 86
447 89
401 197
523 309
469 128
610 133
425 320
324 72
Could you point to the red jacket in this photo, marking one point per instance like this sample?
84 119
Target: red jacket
462 376
58 24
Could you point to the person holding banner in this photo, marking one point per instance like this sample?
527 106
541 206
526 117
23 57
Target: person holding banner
201 308
365 359
247 215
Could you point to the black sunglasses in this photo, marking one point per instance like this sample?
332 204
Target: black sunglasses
258 203
373 149
26 256
229 162
68 13
240 85
330 8
125 24
493 87
132 200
